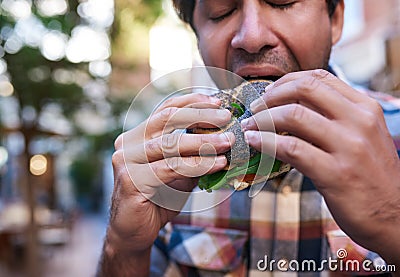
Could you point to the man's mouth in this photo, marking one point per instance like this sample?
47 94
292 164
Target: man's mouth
256 77
264 72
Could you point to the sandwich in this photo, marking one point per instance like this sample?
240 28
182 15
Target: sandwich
246 166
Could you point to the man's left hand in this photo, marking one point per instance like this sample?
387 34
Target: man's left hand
339 139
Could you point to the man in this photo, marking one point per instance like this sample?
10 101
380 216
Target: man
339 141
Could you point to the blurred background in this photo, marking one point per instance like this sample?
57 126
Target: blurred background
68 73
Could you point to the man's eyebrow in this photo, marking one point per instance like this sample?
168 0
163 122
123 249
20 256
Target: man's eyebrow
204 2
210 2
207 1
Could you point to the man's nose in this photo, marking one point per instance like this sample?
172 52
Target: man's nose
254 31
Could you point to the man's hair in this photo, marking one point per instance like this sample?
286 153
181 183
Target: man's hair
184 9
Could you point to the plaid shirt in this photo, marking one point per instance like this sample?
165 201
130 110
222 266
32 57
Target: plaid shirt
242 236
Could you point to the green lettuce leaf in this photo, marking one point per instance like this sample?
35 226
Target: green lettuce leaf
219 179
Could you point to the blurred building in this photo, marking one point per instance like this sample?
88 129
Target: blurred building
368 52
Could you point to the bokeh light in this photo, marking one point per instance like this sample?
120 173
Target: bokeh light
99 12
3 66
88 44
3 156
17 8
53 45
38 165
30 31
52 7
100 69
6 88
13 44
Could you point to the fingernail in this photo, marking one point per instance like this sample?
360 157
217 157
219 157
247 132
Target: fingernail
255 104
224 113
215 100
250 136
267 88
226 139
220 160
244 124
231 137
223 137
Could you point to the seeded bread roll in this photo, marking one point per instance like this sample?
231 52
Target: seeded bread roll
237 100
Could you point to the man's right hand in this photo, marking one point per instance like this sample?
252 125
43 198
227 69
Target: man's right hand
149 157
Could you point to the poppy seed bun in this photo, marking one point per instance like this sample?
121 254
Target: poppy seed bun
241 95
238 100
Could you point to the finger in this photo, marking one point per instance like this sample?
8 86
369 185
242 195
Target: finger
166 121
186 100
307 91
129 178
203 106
163 172
178 144
195 100
167 182
298 121
305 157
328 79
171 119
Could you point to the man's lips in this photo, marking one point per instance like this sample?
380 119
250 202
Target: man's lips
260 72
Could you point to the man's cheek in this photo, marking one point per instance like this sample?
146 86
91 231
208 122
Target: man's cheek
208 53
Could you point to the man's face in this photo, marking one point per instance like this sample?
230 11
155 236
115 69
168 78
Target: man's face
255 38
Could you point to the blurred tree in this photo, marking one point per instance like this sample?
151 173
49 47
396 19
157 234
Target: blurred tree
48 89
130 44
133 18
54 71
84 173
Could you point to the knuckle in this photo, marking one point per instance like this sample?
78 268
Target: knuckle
371 122
120 169
174 163
343 169
358 145
193 161
168 113
346 170
200 140
170 143
375 107
118 142
372 116
169 102
196 160
321 74
293 148
205 145
152 146
117 158
295 114
307 85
